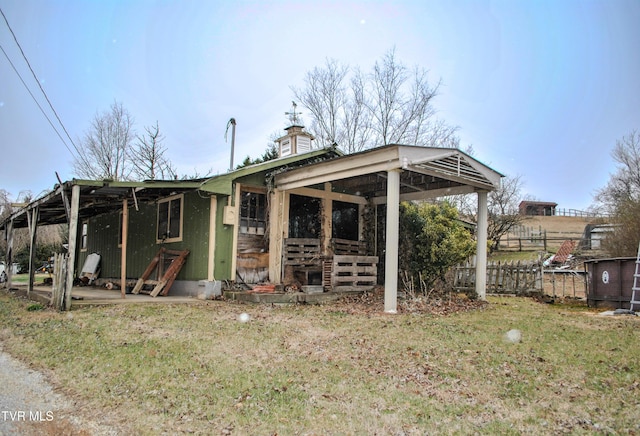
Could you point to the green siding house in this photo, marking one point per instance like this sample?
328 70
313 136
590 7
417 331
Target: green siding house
295 221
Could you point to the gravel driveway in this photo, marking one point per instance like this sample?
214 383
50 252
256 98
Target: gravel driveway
30 406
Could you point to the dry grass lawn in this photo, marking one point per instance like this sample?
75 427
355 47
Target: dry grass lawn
344 368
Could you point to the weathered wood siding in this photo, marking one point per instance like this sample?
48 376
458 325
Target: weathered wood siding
520 278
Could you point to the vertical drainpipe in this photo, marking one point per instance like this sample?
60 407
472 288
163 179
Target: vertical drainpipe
232 121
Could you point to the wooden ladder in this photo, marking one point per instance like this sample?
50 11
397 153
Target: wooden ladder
636 283
166 279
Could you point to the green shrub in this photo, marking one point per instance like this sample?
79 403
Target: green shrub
432 240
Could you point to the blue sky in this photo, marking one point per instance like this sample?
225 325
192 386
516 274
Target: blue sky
541 89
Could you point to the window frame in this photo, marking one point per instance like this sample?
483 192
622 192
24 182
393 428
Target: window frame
169 201
258 217
84 235
120 219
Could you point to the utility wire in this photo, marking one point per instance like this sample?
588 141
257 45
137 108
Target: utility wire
35 100
41 89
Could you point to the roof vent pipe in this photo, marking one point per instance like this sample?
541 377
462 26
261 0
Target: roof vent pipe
231 122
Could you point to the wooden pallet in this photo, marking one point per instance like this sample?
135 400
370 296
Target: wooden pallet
164 279
302 252
353 273
348 247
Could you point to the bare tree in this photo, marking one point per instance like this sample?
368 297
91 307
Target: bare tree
621 197
5 204
324 96
392 104
624 184
503 209
104 150
147 156
356 123
504 213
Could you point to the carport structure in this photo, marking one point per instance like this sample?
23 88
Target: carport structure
73 201
385 175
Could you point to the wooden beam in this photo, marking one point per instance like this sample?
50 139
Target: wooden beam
335 196
277 223
33 228
73 238
123 249
9 255
65 200
326 220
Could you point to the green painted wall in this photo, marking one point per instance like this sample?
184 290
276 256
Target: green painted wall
224 243
142 247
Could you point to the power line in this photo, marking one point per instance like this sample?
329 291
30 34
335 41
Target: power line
35 100
41 89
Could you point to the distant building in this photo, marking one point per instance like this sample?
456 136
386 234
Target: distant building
537 208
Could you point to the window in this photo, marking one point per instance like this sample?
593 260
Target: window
253 213
120 216
345 220
170 219
304 217
84 235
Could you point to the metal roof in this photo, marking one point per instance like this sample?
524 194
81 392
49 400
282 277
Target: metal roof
426 172
101 196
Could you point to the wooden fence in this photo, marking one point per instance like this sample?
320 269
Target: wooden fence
58 290
518 278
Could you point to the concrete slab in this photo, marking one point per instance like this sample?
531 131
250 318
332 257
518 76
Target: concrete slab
88 295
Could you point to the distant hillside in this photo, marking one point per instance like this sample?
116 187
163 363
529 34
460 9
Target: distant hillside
561 225
557 229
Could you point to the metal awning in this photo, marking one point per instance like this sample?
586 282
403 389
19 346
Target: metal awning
96 197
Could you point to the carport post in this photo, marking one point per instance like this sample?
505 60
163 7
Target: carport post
32 218
9 255
73 237
481 256
392 236
123 256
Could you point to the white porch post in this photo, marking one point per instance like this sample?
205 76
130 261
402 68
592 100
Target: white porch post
392 235
481 258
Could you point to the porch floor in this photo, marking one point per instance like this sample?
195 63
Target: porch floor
89 295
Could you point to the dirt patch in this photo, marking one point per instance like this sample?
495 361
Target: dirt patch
373 303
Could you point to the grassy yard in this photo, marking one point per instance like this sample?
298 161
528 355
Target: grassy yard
338 369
